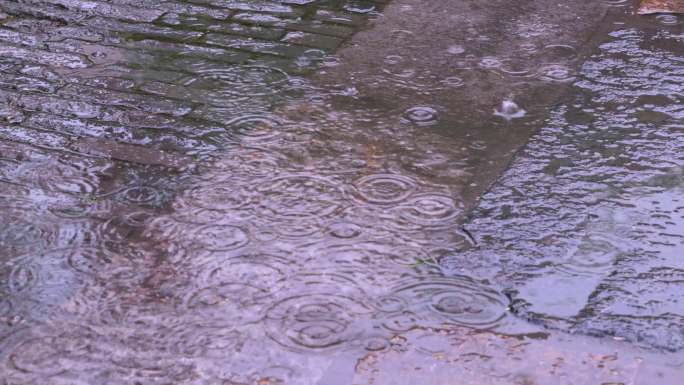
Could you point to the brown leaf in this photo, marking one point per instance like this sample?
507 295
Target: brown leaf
661 6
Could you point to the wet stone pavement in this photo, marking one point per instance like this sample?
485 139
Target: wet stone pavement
294 192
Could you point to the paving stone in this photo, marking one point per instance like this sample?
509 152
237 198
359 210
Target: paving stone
253 31
18 38
122 12
339 17
274 8
115 69
141 31
312 40
212 53
54 59
260 19
131 153
44 11
256 46
135 101
318 27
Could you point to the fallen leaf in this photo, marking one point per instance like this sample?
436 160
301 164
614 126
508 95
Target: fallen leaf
661 6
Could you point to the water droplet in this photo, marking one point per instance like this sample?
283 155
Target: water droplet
516 68
509 110
376 344
595 254
384 188
456 49
616 3
216 85
400 35
299 196
359 6
88 260
556 73
258 128
455 299
23 277
490 62
142 195
453 81
314 321
204 339
393 60
421 115
558 52
431 209
390 304
344 230
668 19
220 237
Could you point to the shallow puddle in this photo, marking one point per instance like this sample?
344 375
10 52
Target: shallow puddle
204 192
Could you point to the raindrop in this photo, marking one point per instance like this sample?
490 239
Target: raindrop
453 81
390 304
344 230
616 3
404 321
136 219
314 321
330 61
384 188
22 278
215 85
516 68
41 355
431 209
528 47
510 110
141 195
258 128
237 300
393 60
220 237
460 300
298 196
556 73
558 52
456 49
5 305
408 256
220 196
478 145
61 178
400 35
359 6
88 260
20 234
204 339
595 254
421 115
490 62
262 270
249 162
74 211
668 19
376 344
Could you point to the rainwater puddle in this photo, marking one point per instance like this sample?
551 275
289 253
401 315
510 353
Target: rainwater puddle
191 195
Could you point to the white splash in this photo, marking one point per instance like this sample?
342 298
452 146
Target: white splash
510 110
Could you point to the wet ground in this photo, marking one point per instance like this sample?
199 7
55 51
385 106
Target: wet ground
331 192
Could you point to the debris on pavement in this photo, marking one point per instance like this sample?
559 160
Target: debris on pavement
648 7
